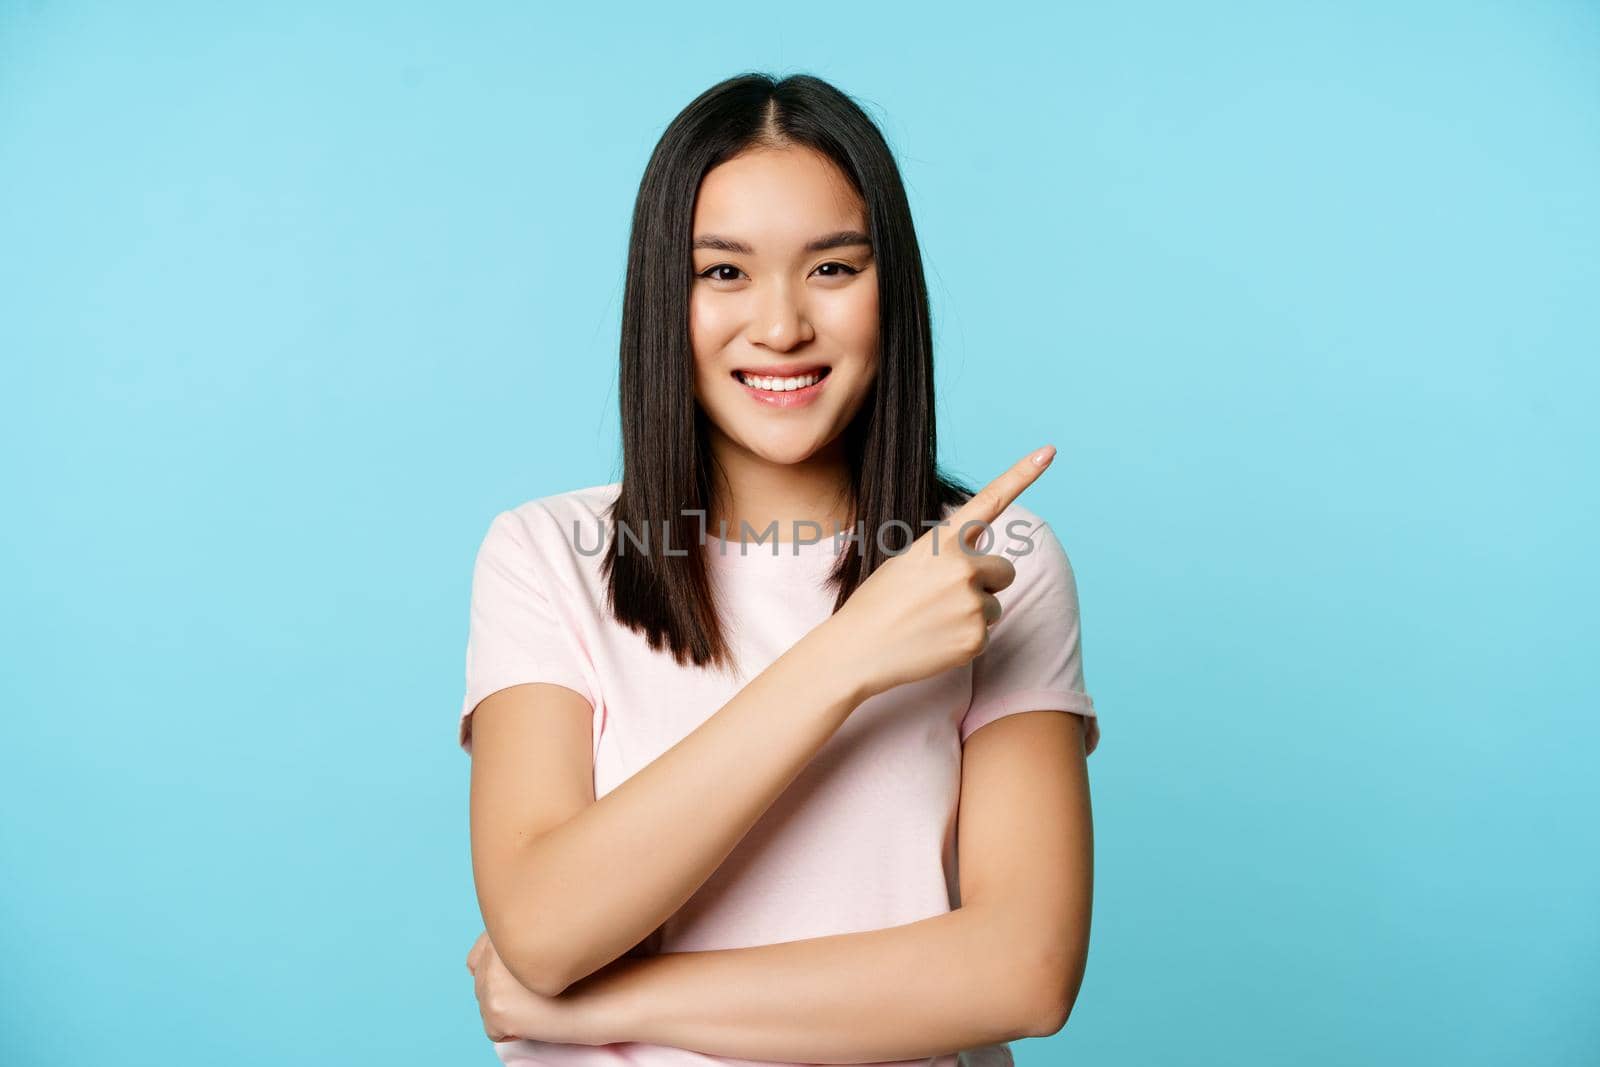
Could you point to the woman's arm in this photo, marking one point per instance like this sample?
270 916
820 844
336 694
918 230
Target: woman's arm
1007 964
568 883
907 992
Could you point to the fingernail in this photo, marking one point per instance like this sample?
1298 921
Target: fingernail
1041 457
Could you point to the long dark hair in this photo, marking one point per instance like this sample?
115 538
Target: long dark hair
891 443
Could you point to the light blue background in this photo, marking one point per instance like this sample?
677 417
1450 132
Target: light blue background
294 300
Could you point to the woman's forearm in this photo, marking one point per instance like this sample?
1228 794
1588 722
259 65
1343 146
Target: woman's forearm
596 885
935 986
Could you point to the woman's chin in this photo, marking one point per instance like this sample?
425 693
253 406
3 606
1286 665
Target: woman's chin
785 450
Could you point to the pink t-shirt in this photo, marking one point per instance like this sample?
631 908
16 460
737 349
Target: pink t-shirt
864 837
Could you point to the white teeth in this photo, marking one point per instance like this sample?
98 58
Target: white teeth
780 385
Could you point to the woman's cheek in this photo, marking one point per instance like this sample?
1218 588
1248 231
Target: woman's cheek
854 320
712 309
699 330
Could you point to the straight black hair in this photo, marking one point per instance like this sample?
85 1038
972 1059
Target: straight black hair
891 443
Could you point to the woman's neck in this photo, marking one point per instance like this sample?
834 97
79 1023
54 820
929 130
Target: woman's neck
753 493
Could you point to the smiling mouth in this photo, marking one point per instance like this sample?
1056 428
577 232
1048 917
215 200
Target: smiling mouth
786 383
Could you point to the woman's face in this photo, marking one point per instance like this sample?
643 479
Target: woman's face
785 290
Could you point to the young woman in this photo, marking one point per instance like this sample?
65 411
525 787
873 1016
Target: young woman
734 717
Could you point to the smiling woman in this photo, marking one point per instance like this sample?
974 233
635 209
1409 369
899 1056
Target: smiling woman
766 283
719 796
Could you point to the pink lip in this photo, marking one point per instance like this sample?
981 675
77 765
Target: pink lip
794 398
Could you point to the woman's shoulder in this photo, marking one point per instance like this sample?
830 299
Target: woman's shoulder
586 504
557 523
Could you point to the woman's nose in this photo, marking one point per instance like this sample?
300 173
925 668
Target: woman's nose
779 321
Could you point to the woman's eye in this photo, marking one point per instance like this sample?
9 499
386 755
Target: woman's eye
841 270
845 268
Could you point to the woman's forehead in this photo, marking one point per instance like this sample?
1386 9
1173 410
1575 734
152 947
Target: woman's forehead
775 200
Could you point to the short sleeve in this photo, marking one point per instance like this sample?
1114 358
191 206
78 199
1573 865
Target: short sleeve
515 633
1034 660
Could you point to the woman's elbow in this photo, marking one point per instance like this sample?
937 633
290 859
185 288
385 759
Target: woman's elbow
540 967
1048 998
1048 1020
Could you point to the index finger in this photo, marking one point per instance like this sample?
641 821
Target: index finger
987 503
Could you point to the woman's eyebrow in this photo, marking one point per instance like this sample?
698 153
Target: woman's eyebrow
841 239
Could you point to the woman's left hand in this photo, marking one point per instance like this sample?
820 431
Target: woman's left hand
511 1011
